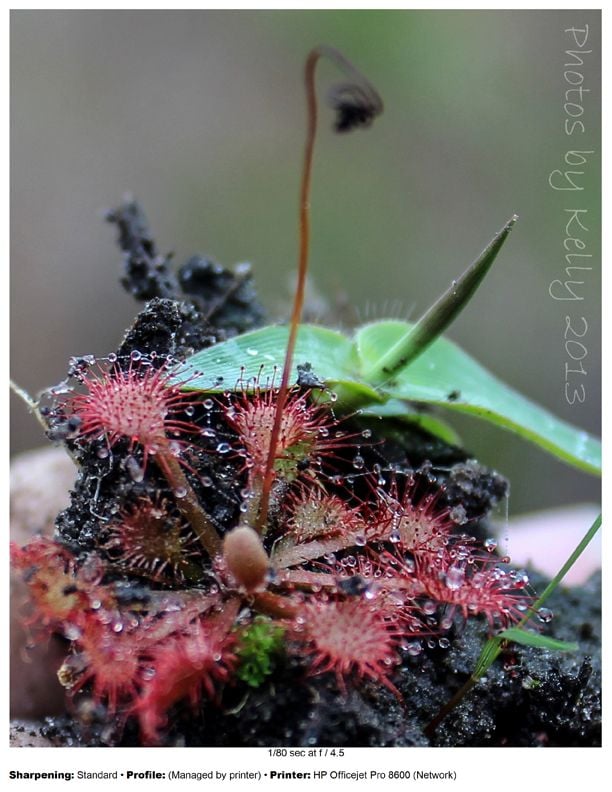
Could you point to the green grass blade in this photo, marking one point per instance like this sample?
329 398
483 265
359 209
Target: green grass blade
492 648
446 376
439 316
527 638
580 548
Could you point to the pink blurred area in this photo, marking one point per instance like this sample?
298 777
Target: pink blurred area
544 540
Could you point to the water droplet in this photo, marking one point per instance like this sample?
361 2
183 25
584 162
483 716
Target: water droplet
409 566
72 632
206 481
360 540
111 357
458 514
443 643
134 469
190 411
252 352
429 607
118 626
207 431
358 462
102 452
333 397
395 536
224 448
330 558
414 648
244 507
455 577
367 433
545 615
521 578
490 545
180 492
135 355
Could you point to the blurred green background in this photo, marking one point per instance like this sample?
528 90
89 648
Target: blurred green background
200 114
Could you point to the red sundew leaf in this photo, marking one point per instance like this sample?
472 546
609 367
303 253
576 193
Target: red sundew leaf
188 666
139 404
414 521
480 587
308 430
148 542
110 660
350 638
58 590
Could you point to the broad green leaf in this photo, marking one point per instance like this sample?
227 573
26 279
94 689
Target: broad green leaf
259 356
527 638
443 375
403 411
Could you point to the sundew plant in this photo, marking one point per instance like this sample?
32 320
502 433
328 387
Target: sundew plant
273 504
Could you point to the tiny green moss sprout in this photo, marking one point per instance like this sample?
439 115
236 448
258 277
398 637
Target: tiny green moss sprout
257 647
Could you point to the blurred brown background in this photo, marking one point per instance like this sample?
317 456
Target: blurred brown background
200 114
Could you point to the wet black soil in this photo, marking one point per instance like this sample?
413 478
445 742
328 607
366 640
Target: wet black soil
529 698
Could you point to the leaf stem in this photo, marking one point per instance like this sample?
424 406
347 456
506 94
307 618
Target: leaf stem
188 504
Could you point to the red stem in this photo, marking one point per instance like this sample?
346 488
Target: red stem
298 301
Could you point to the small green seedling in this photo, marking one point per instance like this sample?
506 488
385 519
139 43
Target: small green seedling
388 367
